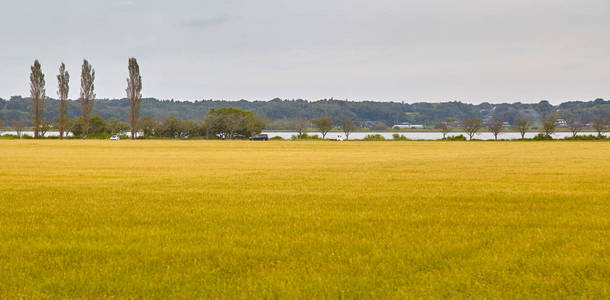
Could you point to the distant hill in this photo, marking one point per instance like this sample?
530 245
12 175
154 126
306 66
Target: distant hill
19 108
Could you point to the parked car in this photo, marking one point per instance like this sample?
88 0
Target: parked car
114 138
259 137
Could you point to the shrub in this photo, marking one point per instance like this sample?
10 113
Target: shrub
9 137
455 138
542 137
305 136
99 136
584 138
399 137
374 137
277 138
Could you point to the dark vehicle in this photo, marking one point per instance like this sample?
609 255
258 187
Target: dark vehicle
259 137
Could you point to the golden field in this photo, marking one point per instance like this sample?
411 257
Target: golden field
220 219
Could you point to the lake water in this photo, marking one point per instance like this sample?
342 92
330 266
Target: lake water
428 135
31 133
387 135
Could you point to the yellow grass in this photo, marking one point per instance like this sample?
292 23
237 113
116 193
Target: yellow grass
159 219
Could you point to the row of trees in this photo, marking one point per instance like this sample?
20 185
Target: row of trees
87 97
523 124
324 125
223 123
282 113
96 125
234 123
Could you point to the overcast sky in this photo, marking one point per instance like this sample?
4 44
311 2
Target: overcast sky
384 50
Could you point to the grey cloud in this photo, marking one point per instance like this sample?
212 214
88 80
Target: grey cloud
205 22
475 50
124 6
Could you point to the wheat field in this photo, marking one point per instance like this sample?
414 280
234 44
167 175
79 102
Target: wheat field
221 219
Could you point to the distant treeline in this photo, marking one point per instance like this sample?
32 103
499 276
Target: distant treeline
281 112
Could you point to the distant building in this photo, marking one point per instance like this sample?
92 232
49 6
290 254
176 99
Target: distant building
407 126
562 123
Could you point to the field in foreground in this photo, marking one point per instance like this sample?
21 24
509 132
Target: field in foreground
304 219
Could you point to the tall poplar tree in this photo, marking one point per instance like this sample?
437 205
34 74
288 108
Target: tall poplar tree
37 92
87 95
63 87
134 94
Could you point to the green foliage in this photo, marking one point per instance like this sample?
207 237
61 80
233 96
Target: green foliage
324 125
381 114
399 137
96 125
75 126
374 137
233 123
472 126
114 126
585 138
149 126
37 93
542 137
99 136
305 136
456 138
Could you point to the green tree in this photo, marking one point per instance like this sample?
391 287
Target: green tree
522 122
37 93
114 126
87 94
472 126
75 126
549 124
44 127
347 125
324 125
97 124
149 126
575 124
134 94
170 127
445 126
600 124
188 129
232 123
495 125
63 87
18 127
300 126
